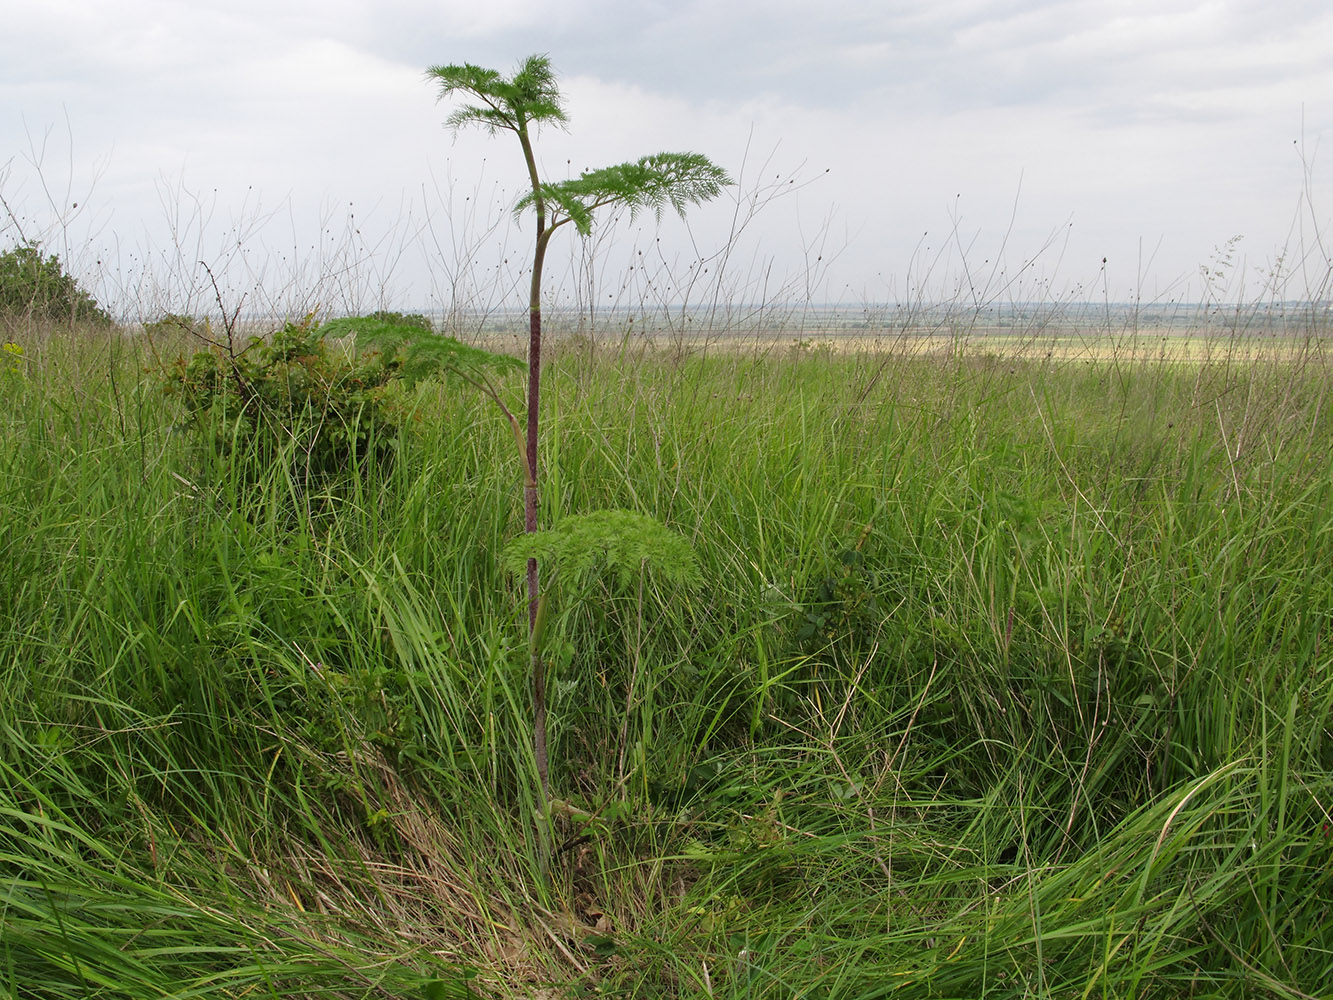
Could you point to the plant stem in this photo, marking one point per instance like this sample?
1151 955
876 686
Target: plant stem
530 489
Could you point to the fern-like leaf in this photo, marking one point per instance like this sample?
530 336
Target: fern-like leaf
417 352
652 182
620 543
529 96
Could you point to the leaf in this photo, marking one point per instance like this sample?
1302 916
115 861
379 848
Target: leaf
529 96
619 542
651 182
418 353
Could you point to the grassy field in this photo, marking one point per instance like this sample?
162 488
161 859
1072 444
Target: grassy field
1009 676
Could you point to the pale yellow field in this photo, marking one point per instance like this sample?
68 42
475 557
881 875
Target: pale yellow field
1065 344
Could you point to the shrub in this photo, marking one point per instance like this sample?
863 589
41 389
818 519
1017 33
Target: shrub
34 286
324 400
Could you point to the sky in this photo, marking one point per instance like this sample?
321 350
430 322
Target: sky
884 152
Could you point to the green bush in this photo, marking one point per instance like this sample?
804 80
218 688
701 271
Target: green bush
37 287
290 399
323 400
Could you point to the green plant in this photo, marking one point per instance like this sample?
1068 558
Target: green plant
11 358
615 543
401 319
520 104
617 546
35 286
319 400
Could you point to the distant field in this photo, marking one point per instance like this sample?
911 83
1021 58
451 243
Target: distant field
1063 344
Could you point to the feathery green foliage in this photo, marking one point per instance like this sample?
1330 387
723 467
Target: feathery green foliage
651 182
621 543
530 96
413 352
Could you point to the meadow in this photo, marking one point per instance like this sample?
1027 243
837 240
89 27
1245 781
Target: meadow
1008 676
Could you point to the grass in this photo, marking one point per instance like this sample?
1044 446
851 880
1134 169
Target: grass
1009 677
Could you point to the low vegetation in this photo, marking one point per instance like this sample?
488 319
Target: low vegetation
995 676
35 286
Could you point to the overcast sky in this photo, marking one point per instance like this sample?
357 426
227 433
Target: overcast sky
997 150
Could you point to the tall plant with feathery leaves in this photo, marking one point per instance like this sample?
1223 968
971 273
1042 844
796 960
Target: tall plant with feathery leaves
520 104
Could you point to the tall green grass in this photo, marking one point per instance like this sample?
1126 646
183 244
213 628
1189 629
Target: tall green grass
1009 677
